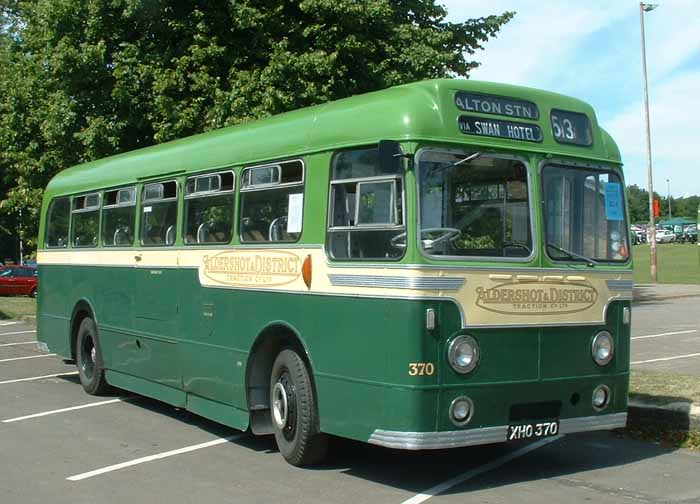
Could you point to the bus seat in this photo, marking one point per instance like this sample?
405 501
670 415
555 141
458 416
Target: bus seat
170 235
278 230
253 235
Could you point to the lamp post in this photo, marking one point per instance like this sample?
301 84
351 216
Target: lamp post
644 7
21 245
668 195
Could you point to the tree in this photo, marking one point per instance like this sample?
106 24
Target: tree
638 202
83 80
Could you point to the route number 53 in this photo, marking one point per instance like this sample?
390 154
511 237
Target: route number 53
421 369
563 128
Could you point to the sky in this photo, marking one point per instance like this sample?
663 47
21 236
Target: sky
592 50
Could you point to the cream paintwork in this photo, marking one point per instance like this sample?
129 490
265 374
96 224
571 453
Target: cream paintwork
486 298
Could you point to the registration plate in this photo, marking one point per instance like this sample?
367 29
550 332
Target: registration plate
532 430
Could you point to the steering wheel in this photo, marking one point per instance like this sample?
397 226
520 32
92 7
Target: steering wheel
447 234
516 244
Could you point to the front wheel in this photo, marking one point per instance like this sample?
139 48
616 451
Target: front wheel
294 411
89 359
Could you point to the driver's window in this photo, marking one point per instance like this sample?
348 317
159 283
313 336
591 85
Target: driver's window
366 208
376 203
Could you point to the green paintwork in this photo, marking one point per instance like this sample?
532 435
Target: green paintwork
157 342
422 111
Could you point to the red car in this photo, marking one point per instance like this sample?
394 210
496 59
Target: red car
18 281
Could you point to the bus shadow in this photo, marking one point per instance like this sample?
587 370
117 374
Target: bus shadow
648 295
417 472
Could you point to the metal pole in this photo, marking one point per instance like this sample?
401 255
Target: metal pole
668 195
21 247
652 225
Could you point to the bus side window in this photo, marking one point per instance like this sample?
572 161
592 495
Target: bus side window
209 202
86 220
272 201
58 223
366 208
159 214
119 217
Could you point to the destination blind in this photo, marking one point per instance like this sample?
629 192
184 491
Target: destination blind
498 105
483 126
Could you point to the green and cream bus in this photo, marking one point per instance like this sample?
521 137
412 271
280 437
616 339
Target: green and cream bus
440 264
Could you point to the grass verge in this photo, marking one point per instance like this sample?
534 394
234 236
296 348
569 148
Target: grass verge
663 389
17 307
669 438
678 263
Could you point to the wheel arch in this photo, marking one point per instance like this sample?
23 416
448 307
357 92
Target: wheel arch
272 339
81 310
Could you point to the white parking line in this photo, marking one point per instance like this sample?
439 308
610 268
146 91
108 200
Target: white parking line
16 332
63 410
29 357
664 334
20 343
2 324
32 378
150 458
668 358
446 485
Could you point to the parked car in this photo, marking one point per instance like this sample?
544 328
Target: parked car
690 234
639 236
19 281
665 236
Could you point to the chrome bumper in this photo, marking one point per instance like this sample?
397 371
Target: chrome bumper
486 435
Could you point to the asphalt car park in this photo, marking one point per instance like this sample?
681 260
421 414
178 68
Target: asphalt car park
60 445
666 335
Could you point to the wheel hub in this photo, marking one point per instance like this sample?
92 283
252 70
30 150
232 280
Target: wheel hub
279 405
284 406
88 357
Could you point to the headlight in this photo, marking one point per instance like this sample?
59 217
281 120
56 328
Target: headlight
463 354
603 348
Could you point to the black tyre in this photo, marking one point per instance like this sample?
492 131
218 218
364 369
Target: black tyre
89 359
295 412
33 293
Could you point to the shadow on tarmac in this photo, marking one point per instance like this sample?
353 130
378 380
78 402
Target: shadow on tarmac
415 472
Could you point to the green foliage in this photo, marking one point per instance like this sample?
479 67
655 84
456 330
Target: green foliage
83 80
638 201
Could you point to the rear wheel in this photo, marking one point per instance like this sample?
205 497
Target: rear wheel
294 411
33 293
89 359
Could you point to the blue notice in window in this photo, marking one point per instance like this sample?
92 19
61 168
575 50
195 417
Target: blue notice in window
613 201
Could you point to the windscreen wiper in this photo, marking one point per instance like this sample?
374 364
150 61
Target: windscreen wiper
468 159
572 255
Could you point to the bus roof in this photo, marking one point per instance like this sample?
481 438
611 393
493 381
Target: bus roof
421 111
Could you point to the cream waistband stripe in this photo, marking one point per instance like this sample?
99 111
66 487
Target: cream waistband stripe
486 298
